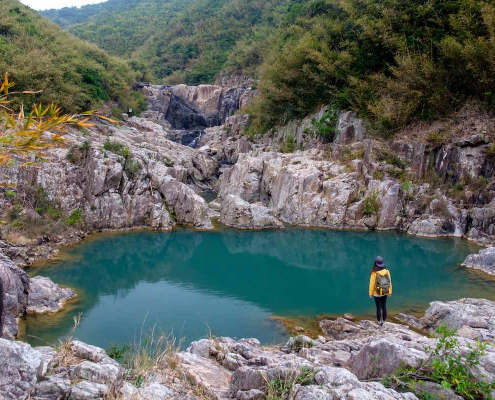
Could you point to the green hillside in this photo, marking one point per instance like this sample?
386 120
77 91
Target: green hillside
39 55
73 15
118 26
185 40
391 60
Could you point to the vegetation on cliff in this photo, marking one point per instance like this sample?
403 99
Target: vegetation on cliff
67 71
391 61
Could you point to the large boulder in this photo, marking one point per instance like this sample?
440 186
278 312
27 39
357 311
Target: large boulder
483 261
46 296
241 214
19 369
382 357
474 318
15 297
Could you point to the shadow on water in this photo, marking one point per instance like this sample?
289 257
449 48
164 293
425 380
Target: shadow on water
233 281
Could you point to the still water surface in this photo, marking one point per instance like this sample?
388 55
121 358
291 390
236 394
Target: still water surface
233 281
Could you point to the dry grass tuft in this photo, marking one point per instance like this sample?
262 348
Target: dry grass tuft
64 348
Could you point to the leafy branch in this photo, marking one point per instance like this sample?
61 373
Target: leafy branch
44 127
448 366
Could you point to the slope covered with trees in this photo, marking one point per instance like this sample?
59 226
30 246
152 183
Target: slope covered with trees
118 26
390 60
184 40
39 55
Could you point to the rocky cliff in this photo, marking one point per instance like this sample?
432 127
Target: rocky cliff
188 110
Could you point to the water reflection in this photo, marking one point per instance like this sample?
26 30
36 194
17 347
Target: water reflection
234 280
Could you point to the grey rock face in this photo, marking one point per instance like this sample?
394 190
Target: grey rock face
483 261
54 387
241 214
45 296
15 286
189 110
85 390
18 370
349 128
106 373
382 357
212 378
153 186
476 314
86 351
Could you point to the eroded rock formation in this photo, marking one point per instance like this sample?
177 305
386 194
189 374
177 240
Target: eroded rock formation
483 261
187 111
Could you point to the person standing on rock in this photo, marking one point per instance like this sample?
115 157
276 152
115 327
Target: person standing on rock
380 289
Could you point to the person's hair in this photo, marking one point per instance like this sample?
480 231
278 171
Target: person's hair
375 268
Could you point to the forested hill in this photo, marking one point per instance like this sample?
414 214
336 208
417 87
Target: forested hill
39 55
118 26
392 61
185 40
75 15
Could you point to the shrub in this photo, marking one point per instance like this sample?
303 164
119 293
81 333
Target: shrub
66 71
288 145
378 175
306 376
132 168
76 217
77 153
491 150
392 61
114 147
390 158
371 205
436 137
325 127
447 366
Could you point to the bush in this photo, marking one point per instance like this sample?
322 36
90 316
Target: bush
326 126
76 217
390 158
448 367
132 168
371 205
114 147
76 153
391 61
288 145
66 71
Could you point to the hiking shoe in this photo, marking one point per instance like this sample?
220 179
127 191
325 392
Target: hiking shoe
381 324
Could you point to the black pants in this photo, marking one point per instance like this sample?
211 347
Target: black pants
381 308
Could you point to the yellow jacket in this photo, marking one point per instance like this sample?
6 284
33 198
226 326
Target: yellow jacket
373 291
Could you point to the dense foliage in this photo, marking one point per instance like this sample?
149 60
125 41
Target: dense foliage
391 60
121 27
24 133
38 54
73 15
185 40
448 366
